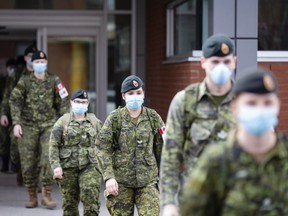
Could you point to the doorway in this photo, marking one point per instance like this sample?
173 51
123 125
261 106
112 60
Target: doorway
76 52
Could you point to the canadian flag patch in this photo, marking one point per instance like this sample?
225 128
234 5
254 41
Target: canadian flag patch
162 130
62 90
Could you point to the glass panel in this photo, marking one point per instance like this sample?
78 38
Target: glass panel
73 60
187 27
273 25
53 4
119 57
119 5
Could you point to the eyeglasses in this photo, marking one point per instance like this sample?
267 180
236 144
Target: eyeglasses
80 102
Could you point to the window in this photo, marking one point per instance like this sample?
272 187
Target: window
184 27
272 25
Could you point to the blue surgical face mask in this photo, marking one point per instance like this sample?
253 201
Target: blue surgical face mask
11 71
258 120
39 67
134 102
29 62
79 108
220 74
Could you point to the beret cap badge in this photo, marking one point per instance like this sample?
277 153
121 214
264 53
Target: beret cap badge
85 94
268 83
224 48
41 54
135 83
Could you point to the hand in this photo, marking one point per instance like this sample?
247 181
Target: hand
112 186
58 173
170 210
4 121
17 130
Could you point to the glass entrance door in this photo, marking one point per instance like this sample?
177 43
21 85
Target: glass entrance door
73 60
73 55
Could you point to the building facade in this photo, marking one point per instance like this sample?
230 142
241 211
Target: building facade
95 44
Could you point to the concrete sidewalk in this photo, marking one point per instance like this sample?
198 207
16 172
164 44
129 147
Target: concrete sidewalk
13 198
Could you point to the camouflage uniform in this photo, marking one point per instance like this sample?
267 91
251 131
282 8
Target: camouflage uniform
133 159
75 154
5 110
228 181
36 105
194 121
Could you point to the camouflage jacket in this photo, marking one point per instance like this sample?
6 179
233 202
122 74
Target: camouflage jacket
10 85
228 181
34 101
194 120
75 147
133 160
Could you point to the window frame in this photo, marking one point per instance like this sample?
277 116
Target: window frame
171 57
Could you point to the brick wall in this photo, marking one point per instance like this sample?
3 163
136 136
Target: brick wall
164 80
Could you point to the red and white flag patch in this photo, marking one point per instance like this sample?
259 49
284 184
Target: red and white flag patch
162 130
62 90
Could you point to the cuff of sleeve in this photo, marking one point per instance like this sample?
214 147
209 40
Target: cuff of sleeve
108 175
54 166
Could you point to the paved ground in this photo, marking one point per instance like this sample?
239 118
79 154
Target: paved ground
12 200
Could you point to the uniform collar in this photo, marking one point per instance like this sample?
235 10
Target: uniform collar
203 91
279 151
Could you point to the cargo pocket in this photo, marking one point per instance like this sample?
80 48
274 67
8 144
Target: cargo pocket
65 155
200 133
92 155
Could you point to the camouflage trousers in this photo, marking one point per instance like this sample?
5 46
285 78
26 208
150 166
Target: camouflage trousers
4 141
145 198
34 153
80 185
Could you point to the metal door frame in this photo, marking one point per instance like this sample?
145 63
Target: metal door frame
67 23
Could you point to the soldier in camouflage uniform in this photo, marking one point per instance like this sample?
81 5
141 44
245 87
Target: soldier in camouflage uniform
246 174
72 157
130 144
5 109
36 102
197 116
4 130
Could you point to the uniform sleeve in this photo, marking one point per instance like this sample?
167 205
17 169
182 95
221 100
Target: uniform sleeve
54 143
104 149
5 109
17 100
172 150
61 104
158 140
201 195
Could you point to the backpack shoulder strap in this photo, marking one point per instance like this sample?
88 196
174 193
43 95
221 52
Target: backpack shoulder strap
191 95
93 119
152 115
116 127
66 120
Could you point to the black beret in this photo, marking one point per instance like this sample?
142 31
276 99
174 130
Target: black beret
80 93
30 49
131 82
10 62
38 55
258 81
218 45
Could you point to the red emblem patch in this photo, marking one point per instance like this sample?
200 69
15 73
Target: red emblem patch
135 83
59 86
162 130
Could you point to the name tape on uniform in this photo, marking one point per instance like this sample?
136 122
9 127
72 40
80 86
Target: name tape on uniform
62 90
